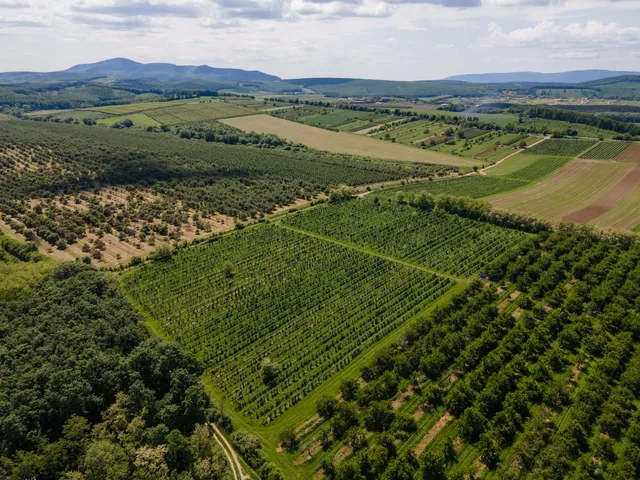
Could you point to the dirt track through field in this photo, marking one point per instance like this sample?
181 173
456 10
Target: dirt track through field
615 194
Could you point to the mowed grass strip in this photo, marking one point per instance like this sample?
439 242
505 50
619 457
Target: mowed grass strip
340 142
576 186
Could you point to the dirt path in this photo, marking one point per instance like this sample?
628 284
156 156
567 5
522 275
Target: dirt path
230 453
482 172
433 432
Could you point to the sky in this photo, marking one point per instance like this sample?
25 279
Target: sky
382 39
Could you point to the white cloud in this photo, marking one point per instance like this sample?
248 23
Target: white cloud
548 34
444 46
574 55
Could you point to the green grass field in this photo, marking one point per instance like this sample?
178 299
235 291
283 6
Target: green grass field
198 112
138 119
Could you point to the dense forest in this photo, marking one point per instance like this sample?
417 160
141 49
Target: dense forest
85 393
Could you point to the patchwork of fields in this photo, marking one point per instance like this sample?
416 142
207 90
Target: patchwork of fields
581 191
340 142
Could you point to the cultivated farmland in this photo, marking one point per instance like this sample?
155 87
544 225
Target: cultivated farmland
197 112
629 154
510 382
575 187
474 186
625 215
441 242
273 312
606 150
561 147
340 142
529 168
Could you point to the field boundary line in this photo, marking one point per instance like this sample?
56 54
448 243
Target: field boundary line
373 253
482 172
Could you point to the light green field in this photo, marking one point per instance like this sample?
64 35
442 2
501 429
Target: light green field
198 112
138 119
512 165
138 107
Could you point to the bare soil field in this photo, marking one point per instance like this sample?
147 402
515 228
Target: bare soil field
574 188
341 142
629 154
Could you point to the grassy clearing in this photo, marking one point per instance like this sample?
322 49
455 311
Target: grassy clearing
340 142
138 107
138 119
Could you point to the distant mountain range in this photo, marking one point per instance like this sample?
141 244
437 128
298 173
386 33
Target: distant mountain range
124 68
576 76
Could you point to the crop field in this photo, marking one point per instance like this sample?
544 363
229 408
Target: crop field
624 216
307 305
606 150
630 154
412 132
138 107
440 242
530 168
561 147
138 119
471 133
510 382
577 192
197 112
474 186
340 142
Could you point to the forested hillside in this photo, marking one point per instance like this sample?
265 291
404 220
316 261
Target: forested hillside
85 393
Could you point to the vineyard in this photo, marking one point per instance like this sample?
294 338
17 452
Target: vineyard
474 186
539 169
435 240
561 147
534 376
273 313
630 154
197 112
606 150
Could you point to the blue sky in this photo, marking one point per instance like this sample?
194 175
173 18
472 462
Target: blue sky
388 39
